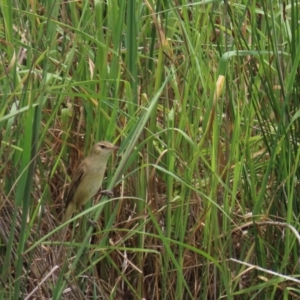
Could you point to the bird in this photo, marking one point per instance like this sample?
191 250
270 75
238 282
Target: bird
87 178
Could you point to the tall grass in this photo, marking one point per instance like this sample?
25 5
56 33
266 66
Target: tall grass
202 99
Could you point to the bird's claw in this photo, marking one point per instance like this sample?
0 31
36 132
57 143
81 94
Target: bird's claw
93 223
108 193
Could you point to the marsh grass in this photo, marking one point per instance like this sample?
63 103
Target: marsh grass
202 99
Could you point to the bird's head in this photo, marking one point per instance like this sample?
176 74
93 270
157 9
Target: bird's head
103 149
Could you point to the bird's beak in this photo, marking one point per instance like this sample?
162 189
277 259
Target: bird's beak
115 148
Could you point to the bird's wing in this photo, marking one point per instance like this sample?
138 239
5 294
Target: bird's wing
76 179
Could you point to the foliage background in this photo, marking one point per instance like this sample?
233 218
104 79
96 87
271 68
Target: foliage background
203 99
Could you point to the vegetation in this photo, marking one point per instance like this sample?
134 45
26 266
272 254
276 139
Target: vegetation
203 99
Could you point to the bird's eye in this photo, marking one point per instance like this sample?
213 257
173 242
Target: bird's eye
102 146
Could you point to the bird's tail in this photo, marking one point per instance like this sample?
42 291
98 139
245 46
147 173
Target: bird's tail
71 207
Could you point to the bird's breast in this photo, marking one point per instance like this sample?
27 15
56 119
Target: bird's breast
88 187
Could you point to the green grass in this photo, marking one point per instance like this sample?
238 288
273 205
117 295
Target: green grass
203 100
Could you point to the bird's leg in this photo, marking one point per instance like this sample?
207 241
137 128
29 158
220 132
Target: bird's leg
108 193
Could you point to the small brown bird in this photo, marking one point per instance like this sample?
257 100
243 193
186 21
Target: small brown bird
87 178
